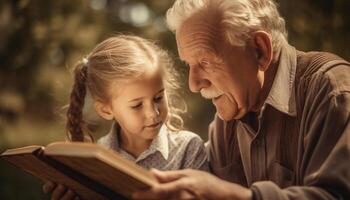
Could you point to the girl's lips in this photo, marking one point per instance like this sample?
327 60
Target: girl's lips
153 125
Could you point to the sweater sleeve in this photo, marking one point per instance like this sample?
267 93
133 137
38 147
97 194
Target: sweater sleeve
325 165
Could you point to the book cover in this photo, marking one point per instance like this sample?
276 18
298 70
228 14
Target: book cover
93 171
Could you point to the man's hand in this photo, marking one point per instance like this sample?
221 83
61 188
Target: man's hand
201 185
59 192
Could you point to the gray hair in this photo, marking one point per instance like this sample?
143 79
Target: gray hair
239 18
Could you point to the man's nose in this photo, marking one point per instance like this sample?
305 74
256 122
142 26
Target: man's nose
196 80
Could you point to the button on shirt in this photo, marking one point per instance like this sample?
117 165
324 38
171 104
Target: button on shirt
169 150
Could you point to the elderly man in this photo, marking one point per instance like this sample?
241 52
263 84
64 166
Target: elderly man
282 125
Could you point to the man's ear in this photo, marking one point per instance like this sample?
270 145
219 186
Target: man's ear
104 110
262 44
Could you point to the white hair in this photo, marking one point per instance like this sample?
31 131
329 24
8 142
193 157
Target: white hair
239 18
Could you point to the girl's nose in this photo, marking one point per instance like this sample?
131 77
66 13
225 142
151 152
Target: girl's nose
152 111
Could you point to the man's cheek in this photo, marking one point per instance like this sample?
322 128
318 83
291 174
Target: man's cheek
227 109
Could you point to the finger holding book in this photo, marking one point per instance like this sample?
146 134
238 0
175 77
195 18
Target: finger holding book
59 192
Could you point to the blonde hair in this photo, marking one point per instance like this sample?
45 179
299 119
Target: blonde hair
119 58
239 18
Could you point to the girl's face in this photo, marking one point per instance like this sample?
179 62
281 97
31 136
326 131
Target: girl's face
139 106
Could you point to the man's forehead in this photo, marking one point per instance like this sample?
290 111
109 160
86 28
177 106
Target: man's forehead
196 31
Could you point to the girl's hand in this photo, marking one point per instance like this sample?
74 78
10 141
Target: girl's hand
199 184
59 191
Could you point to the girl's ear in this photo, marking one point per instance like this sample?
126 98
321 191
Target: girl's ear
104 110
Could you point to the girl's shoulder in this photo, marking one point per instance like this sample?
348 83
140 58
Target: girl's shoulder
184 137
110 140
104 140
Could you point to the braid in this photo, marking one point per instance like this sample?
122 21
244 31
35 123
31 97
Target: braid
75 124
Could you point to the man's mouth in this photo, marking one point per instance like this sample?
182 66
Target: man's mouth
217 97
211 94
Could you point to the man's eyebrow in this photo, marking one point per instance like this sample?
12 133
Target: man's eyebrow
195 54
198 53
139 98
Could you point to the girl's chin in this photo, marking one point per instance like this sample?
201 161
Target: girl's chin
150 135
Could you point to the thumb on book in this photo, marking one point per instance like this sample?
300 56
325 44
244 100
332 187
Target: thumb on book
167 176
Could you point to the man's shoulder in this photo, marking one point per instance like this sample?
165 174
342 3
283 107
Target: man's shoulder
183 137
320 69
316 62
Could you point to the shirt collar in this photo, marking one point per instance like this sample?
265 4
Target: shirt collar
282 93
159 143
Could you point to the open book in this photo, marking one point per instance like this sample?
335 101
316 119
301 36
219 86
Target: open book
92 171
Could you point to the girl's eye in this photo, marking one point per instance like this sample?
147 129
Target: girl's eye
138 106
158 99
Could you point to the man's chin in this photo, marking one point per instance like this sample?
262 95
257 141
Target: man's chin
226 115
223 117
225 109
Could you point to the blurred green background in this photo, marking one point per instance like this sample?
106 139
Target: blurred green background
40 40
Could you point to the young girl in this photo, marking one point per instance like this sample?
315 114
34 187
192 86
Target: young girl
130 81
